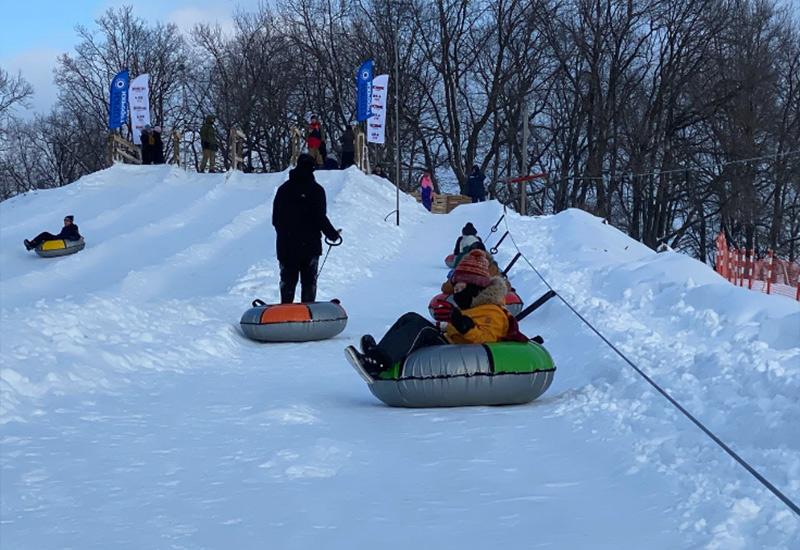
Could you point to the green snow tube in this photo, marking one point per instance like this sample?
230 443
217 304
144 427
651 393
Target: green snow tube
503 373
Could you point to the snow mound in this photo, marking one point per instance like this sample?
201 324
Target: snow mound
134 414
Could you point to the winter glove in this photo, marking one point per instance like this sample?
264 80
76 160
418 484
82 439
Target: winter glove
461 322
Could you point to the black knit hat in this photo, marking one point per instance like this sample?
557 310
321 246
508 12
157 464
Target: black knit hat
469 229
306 162
70 217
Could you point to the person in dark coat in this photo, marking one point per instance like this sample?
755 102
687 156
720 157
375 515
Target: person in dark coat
157 151
348 148
208 141
299 214
69 232
475 187
145 138
469 236
330 163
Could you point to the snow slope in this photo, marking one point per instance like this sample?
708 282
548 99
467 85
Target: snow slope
134 414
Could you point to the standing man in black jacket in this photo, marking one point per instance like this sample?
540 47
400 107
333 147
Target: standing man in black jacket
69 232
299 216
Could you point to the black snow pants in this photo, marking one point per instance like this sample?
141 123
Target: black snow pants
42 237
410 332
306 271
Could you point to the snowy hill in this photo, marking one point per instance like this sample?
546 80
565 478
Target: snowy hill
135 415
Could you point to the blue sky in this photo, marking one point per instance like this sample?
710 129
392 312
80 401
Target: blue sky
36 32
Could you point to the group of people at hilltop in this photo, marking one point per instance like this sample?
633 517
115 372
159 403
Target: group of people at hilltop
153 153
476 189
318 148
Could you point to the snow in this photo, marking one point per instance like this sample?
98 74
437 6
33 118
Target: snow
135 415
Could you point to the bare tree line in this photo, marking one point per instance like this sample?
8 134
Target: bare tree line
644 112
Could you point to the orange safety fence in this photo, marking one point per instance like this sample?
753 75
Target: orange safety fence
769 274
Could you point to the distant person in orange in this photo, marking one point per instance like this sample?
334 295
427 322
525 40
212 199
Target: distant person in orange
314 139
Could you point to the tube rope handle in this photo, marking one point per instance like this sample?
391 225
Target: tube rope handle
259 303
493 250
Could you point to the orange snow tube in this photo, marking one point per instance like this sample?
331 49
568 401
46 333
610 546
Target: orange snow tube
293 322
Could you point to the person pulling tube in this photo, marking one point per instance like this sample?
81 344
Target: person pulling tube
299 214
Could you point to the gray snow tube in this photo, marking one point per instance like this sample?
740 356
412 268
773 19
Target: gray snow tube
293 322
59 247
503 373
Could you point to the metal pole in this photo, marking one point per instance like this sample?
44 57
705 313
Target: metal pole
397 115
523 185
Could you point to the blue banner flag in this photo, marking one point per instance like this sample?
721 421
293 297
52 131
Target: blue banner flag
118 100
364 91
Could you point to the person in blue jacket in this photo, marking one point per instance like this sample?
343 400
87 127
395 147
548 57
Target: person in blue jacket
475 187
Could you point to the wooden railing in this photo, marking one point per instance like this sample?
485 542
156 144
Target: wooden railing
444 204
235 141
362 151
296 137
122 150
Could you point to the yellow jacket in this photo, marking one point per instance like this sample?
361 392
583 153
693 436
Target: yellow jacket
491 325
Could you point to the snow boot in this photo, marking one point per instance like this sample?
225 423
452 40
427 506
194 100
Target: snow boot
367 343
367 367
28 245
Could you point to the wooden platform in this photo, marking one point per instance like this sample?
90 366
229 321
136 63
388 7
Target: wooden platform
444 204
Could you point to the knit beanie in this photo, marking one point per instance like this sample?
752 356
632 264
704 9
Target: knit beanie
473 268
70 217
469 229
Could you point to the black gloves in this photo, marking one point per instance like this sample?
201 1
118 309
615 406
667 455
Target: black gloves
461 322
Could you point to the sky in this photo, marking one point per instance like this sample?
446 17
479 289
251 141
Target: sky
36 32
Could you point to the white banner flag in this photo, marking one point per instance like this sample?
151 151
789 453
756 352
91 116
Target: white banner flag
376 126
139 100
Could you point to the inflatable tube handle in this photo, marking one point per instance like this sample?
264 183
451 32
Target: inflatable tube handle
337 242
259 303
493 250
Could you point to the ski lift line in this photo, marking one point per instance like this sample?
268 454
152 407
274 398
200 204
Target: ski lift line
742 462
678 170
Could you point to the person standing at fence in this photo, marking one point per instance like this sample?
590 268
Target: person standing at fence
426 191
146 144
314 139
157 147
299 214
348 148
208 140
475 188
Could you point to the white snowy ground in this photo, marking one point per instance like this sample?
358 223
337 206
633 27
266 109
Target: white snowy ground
135 415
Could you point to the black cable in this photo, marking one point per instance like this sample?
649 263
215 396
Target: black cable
764 481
